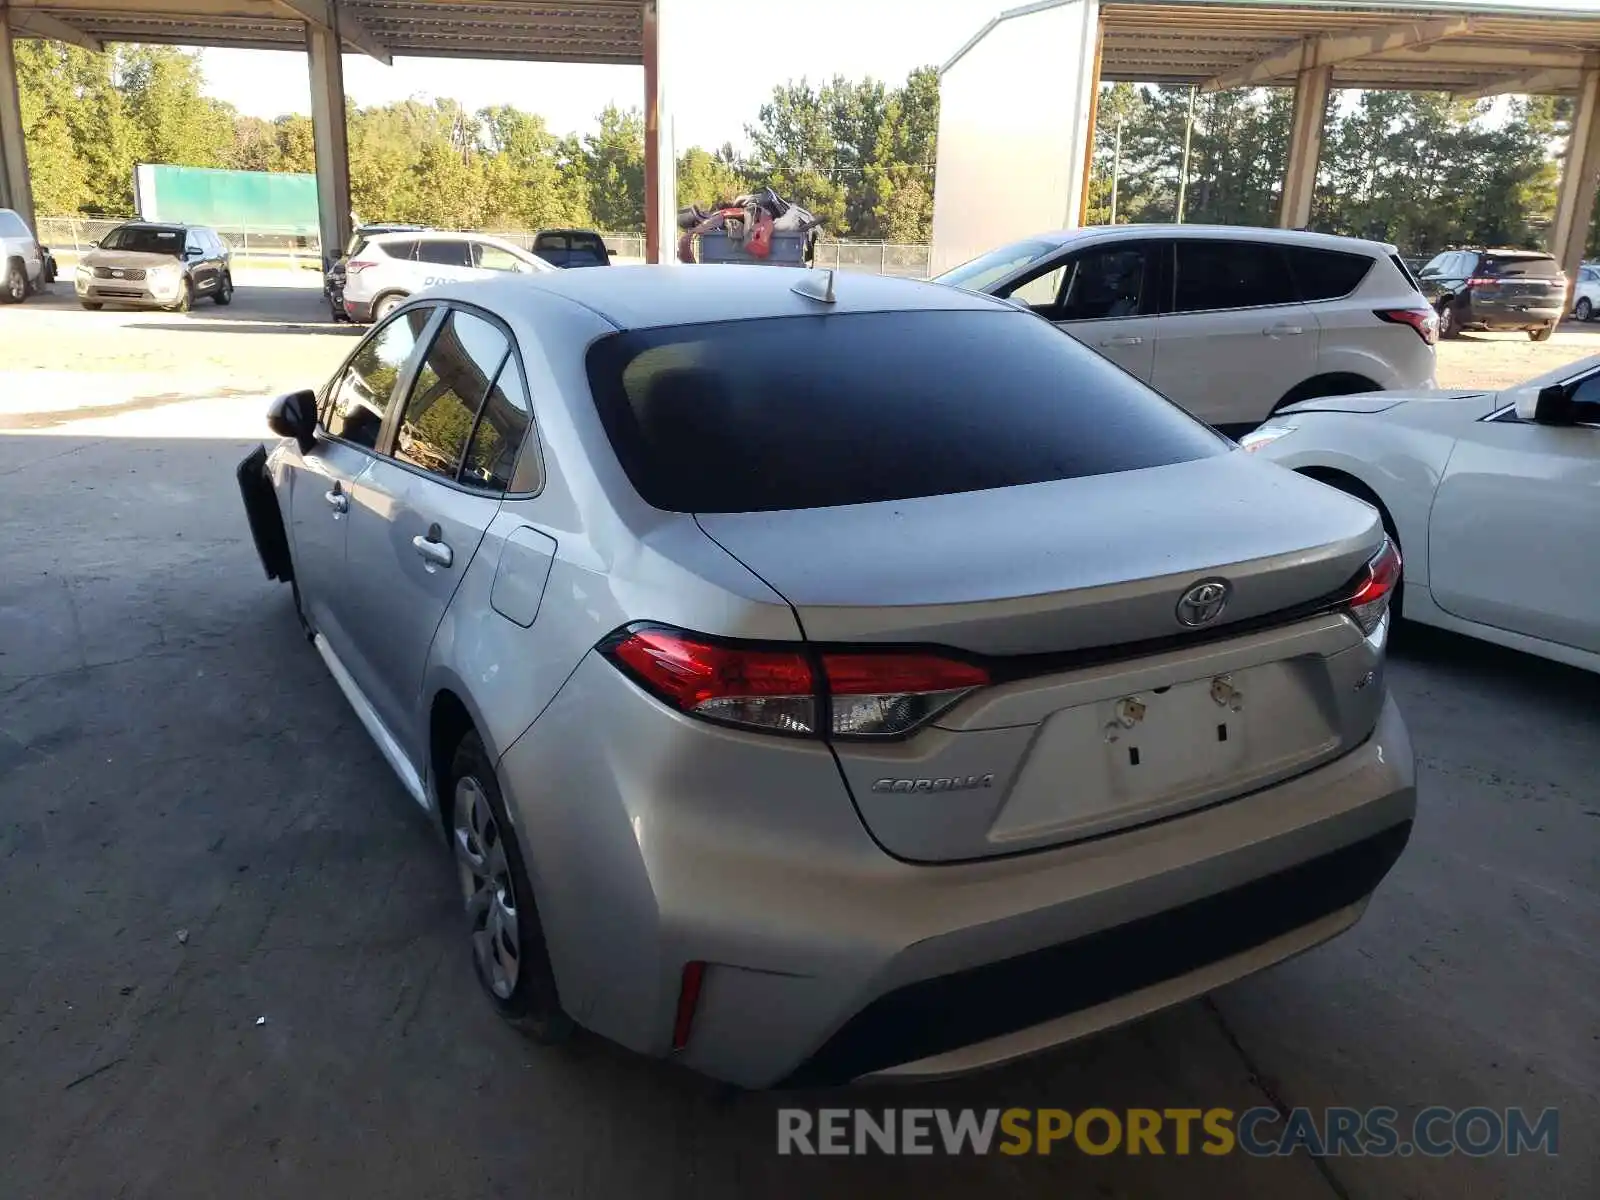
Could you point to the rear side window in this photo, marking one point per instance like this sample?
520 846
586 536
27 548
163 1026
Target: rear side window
1214 275
446 253
405 250
816 411
451 382
1405 272
1532 266
1327 274
502 424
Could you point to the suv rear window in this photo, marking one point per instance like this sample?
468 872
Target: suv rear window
1326 274
1530 266
816 411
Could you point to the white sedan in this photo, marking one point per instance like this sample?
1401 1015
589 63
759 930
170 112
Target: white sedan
1493 497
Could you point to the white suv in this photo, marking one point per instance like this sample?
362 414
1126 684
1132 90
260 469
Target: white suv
1230 323
388 267
22 262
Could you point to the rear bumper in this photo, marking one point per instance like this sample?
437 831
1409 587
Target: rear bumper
359 311
829 960
1491 314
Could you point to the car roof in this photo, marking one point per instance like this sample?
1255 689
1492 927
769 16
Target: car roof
1254 233
646 297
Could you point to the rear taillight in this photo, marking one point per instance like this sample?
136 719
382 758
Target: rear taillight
358 266
1479 281
834 693
1424 320
1369 595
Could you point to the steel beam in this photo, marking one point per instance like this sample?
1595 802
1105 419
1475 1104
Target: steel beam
323 49
1551 79
161 8
654 183
1087 189
332 15
1580 178
16 190
1305 147
43 25
1337 48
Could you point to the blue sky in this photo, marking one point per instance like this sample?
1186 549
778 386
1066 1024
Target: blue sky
730 69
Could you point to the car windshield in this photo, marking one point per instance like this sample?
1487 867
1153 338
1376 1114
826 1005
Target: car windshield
988 269
817 411
145 239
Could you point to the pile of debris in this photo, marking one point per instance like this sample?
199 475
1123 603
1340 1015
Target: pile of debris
761 227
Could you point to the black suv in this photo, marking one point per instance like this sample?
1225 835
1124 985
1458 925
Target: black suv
1495 289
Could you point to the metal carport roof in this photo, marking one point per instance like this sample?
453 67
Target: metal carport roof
585 31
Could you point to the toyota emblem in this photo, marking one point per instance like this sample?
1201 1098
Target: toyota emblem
1204 602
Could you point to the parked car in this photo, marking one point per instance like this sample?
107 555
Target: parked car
571 248
1586 293
1231 323
1494 498
333 278
150 264
391 266
993 733
25 266
1495 290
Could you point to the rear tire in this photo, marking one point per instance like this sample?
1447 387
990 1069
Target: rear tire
385 305
509 954
1584 310
1544 333
1449 328
16 283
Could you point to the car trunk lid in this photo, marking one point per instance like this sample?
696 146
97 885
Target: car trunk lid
1106 710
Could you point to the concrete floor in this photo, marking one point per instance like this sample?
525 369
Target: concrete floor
196 834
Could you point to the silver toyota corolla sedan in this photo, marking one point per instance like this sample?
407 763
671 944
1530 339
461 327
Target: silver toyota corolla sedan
817 680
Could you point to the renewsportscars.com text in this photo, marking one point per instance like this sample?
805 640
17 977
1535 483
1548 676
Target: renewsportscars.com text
1433 1132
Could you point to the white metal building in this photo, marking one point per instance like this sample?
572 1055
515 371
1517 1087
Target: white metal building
1017 101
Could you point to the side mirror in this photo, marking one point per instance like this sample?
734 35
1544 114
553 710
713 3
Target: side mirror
1547 406
295 416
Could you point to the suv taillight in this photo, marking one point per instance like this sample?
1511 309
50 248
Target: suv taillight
356 266
834 693
1372 590
1424 320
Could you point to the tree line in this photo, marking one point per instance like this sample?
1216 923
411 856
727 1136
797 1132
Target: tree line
859 154
1418 169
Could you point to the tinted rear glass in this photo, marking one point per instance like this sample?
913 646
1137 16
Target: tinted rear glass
810 412
1216 275
1504 266
1326 274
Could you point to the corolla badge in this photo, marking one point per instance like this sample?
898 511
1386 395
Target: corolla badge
1204 602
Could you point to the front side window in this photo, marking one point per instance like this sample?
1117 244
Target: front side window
983 272
496 258
1216 275
445 252
357 404
860 408
1105 283
452 381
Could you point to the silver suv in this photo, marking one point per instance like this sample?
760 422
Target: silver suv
150 264
816 680
388 267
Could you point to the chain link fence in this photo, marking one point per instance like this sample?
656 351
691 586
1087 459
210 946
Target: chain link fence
289 247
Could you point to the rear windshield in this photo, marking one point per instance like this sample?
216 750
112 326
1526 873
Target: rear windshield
144 240
1533 266
810 412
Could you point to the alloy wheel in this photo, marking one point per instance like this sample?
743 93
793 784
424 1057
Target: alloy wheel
16 284
486 886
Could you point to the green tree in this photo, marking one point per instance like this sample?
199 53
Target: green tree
707 179
176 123
795 151
898 179
615 169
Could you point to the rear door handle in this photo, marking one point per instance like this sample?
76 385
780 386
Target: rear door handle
337 500
1123 341
1284 330
433 551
